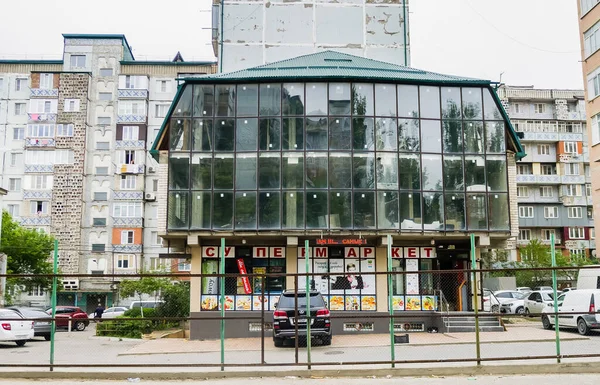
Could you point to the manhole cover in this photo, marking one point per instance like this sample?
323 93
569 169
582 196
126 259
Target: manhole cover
334 352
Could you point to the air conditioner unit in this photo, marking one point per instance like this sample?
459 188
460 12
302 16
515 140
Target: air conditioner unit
151 170
150 197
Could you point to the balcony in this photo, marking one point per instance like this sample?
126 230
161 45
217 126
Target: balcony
570 136
542 179
128 222
40 142
137 118
574 201
40 92
42 168
572 179
36 221
130 144
127 248
130 169
46 117
578 244
573 115
37 194
129 195
533 198
540 136
133 94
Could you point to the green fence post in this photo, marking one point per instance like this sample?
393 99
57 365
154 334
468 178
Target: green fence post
476 298
556 329
53 300
390 299
306 263
222 301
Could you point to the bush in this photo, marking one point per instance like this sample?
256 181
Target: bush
176 301
133 328
137 312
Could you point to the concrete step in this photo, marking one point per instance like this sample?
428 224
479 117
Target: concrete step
471 323
467 329
481 318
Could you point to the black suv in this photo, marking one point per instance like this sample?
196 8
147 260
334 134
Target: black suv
284 325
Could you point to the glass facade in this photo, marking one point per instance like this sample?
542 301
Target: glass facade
337 155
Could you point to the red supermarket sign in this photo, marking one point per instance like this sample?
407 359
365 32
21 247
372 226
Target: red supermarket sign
345 241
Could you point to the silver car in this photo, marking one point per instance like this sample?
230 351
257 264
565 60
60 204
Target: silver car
42 321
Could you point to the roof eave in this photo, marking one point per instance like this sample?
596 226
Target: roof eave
154 151
520 152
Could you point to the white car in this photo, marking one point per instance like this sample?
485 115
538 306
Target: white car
537 300
490 302
508 295
524 289
581 309
14 328
114 312
516 306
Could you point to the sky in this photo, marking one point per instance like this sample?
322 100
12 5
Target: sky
525 43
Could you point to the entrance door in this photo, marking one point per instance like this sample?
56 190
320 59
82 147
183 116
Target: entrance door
93 300
454 285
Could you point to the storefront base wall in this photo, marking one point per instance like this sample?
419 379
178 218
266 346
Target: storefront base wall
237 324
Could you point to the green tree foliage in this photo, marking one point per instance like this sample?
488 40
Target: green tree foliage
145 285
176 301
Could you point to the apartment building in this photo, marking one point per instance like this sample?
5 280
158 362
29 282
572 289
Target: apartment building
554 179
589 28
73 154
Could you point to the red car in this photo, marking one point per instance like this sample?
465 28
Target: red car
79 318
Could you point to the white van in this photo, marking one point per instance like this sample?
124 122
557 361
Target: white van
150 304
589 278
585 302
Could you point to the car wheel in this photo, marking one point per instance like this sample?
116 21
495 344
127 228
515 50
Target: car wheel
79 326
546 323
278 342
495 309
47 337
527 313
20 343
520 310
326 340
582 327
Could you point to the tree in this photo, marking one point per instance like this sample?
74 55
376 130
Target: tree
28 251
145 285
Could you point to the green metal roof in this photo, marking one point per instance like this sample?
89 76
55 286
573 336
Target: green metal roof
31 61
168 63
336 65
127 54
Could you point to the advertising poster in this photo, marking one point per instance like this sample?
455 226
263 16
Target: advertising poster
336 266
258 279
368 302
229 302
336 302
274 299
412 280
245 280
209 302
367 270
429 302
413 302
352 302
210 285
322 282
398 302
258 300
243 302
353 280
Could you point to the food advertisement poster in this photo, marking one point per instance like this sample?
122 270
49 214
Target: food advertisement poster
336 302
210 284
243 302
413 302
257 300
352 302
429 302
412 280
274 299
368 302
398 302
209 302
367 268
229 302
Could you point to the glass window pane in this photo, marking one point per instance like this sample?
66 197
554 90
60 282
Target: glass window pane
178 210
410 211
453 173
270 134
495 135
364 170
225 100
204 100
340 170
455 212
245 172
433 211
202 135
430 102
268 210
180 134
452 136
339 133
451 103
431 136
245 210
340 209
316 170
184 105
475 173
316 210
364 210
179 171
387 134
362 134
385 100
471 103
222 210
408 101
247 100
223 171
387 210
293 99
293 170
316 98
224 133
408 135
387 171
432 172
362 99
246 135
201 204
293 210
270 99
476 212
268 170
201 171
489 105
473 132
339 98
409 172
293 133
316 133
498 211
496 173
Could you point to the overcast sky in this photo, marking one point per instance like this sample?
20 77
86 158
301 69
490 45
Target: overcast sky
533 42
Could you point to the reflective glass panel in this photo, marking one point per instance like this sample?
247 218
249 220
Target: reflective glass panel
408 101
410 211
408 135
316 98
340 209
385 100
293 133
432 172
489 105
340 136
362 134
200 214
364 210
269 134
222 210
430 102
498 212
387 209
473 132
268 210
471 103
476 212
246 137
316 133
270 99
201 171
316 170
178 210
293 170
268 171
179 171
495 135
431 136
293 210
475 173
409 172
455 211
451 103
247 100
452 136
386 134
496 173
364 170
202 139
223 171
316 210
180 133
184 105
339 98
433 211
224 134
387 170
453 173
293 99
225 100
362 99
245 210
340 170
204 100
245 172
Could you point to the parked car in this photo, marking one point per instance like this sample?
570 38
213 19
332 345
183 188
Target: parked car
42 321
516 306
79 318
537 300
568 289
150 304
284 321
111 312
508 295
589 277
490 302
576 301
524 289
14 328
543 288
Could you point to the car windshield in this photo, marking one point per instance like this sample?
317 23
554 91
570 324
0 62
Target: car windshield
547 296
287 301
520 295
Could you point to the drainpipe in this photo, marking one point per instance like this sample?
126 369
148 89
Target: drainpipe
405 35
221 37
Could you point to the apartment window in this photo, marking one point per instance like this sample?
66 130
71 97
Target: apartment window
46 81
101 170
156 264
132 107
577 253
155 185
524 235
156 240
539 108
98 247
548 169
127 237
550 212
543 149
103 120
106 72
36 291
588 190
133 82
41 182
571 168
71 105
595 127
131 132
517 108
20 84
591 40
593 80
43 106
524 169
576 233
18 133
64 129
571 147
163 85
575 212
526 212
573 190
99 222
100 196
161 110
125 261
39 207
128 157
590 212
77 61
592 233
127 210
184 265
14 159
40 130
587 5
19 109
105 95
546 192
13 210
128 182
102 145
14 184
64 157
547 234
